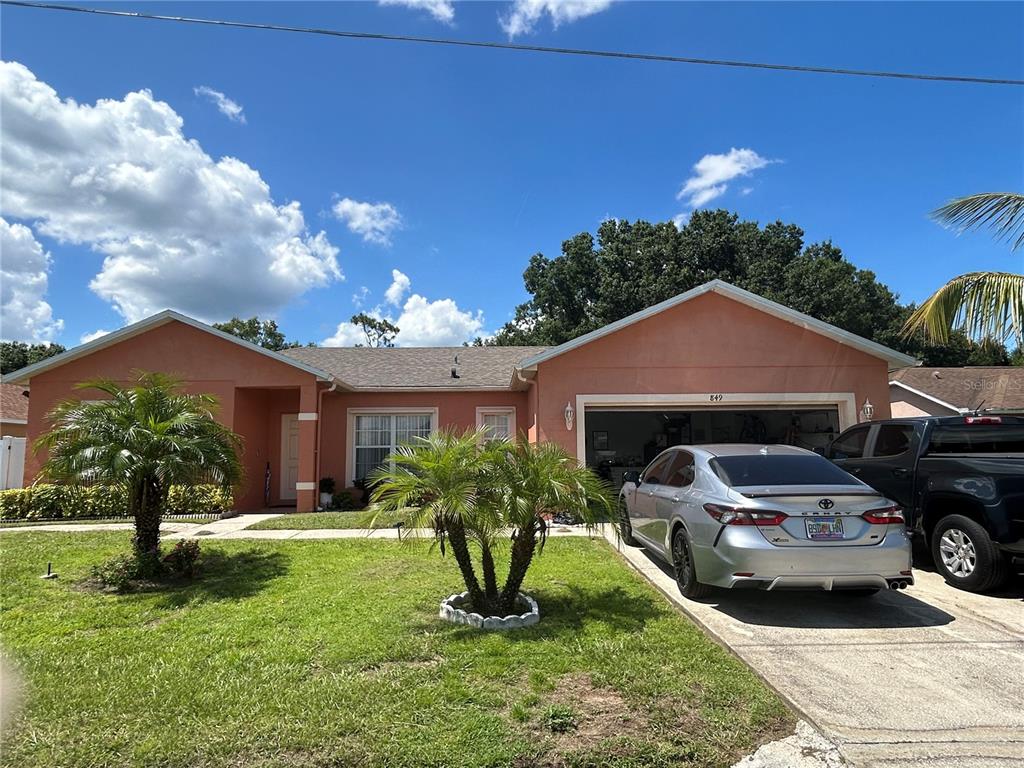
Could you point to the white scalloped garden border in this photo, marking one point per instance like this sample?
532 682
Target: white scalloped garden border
452 610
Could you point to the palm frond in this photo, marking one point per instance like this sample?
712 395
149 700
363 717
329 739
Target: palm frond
982 304
1001 211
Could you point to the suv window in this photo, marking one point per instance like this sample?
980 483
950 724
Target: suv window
657 472
680 474
850 444
893 439
978 438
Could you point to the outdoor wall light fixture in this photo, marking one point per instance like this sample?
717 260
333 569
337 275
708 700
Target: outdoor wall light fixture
570 415
868 410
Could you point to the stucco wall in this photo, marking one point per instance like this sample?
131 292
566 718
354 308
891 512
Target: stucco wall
457 409
904 404
7 429
710 344
206 364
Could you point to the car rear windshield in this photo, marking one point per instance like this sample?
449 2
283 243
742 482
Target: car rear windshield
762 470
978 438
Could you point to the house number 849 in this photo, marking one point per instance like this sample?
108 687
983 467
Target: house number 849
715 398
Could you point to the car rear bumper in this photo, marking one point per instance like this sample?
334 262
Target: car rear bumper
743 550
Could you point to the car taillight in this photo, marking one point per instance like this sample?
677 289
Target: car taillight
982 420
740 516
884 516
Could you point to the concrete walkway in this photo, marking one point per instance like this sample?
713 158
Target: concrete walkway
926 677
169 528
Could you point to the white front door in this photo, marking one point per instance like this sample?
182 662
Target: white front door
289 455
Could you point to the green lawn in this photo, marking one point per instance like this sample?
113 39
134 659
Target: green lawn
330 653
359 518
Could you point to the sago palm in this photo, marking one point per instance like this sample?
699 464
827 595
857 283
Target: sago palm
143 438
440 482
534 482
983 304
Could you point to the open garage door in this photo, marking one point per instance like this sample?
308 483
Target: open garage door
620 439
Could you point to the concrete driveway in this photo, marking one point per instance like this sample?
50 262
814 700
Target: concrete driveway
930 676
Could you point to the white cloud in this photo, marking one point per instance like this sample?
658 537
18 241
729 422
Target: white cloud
374 222
712 173
346 335
177 229
87 337
359 297
421 323
230 108
442 10
24 274
437 323
746 191
523 16
400 285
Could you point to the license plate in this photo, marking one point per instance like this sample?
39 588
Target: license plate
824 528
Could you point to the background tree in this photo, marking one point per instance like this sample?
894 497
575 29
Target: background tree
984 305
633 265
378 331
262 332
144 439
15 355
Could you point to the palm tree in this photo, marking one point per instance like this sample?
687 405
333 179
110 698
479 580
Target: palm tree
143 439
983 304
440 482
532 483
473 493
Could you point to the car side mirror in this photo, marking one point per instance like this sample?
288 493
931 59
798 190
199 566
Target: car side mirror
631 477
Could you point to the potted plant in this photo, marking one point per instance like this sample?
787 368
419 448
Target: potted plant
326 491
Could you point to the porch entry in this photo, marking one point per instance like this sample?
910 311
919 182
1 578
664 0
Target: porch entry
289 455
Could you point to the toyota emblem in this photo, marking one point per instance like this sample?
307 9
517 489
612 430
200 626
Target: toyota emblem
826 503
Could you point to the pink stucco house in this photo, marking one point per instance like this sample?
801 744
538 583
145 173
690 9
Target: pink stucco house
716 363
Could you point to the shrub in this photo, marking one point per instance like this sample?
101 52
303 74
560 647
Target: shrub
47 501
343 501
327 485
182 559
117 573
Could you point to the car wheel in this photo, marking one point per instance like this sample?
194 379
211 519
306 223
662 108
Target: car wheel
966 556
686 572
625 527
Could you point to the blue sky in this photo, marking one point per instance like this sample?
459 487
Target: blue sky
454 166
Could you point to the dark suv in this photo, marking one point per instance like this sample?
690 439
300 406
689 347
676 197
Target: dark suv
960 480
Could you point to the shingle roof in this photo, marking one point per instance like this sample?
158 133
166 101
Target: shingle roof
13 403
982 386
416 367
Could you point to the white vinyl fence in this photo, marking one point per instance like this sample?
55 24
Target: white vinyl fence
12 462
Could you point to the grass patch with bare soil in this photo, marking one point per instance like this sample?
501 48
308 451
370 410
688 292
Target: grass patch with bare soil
302 653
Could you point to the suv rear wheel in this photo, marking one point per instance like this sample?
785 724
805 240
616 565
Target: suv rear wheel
965 555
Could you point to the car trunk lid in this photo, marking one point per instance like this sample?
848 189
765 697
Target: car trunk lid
819 516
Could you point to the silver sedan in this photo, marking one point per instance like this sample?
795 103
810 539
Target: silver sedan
764 517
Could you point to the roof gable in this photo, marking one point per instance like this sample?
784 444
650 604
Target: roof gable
24 375
892 357
967 388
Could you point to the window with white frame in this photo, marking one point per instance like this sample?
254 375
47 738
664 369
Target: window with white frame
378 435
499 423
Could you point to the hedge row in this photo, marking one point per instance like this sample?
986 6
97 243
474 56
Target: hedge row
55 502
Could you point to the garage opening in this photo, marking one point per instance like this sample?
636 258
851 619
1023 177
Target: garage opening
620 440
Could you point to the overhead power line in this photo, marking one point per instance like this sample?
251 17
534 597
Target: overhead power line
517 46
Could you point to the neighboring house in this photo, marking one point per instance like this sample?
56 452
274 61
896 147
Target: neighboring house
948 391
716 363
13 410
